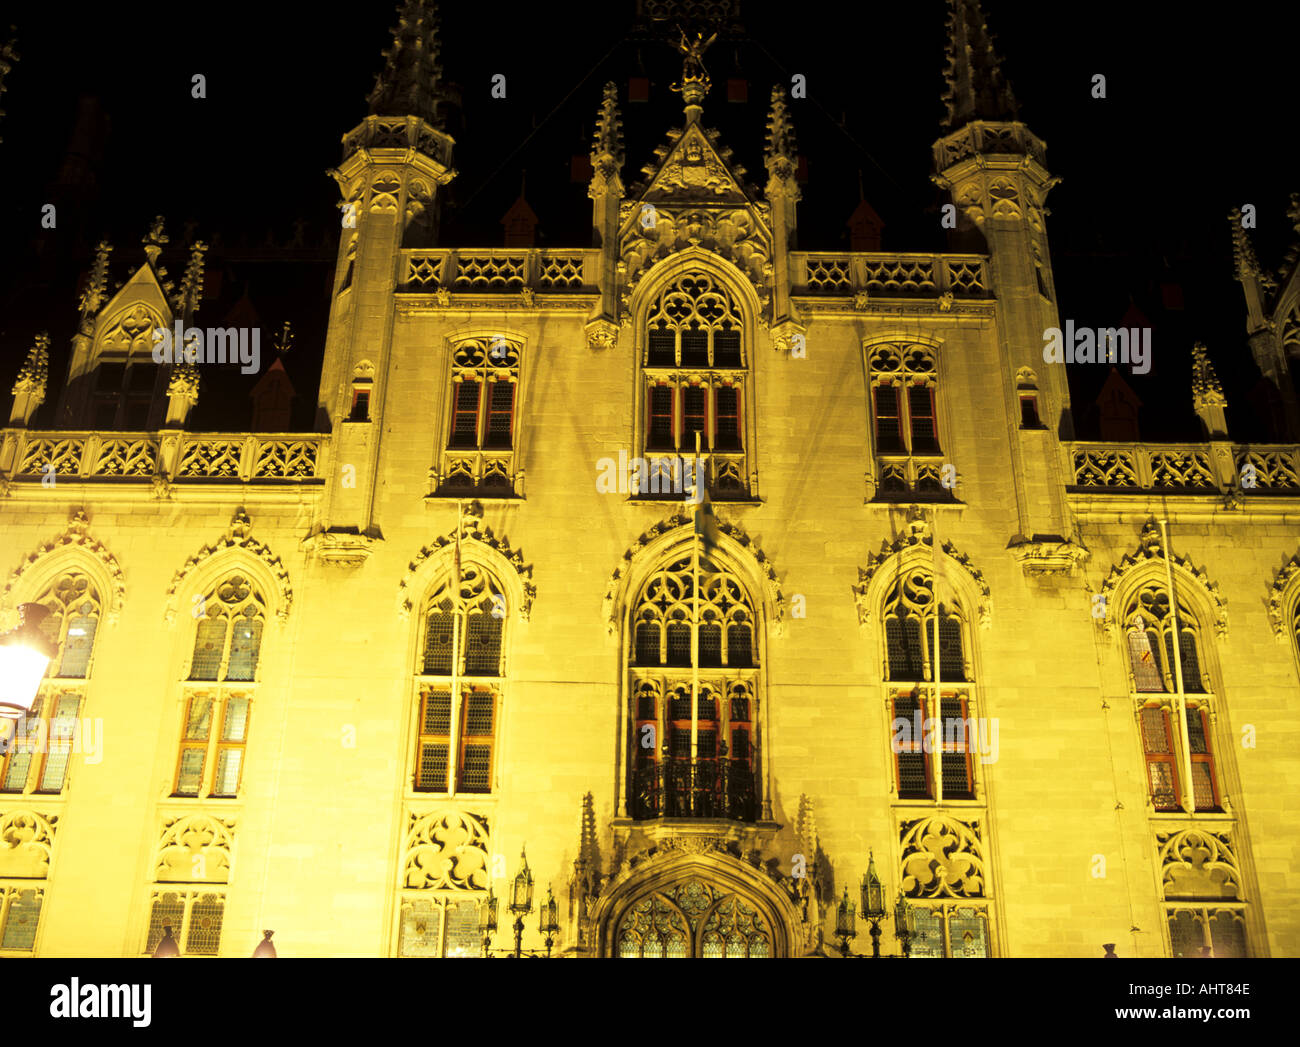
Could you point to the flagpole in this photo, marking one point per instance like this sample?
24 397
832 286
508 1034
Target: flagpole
695 626
938 701
452 755
1180 699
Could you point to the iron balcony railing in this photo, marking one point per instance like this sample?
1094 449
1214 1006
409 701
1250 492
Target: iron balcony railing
678 787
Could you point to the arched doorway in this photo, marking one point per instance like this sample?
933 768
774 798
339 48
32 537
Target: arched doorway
693 918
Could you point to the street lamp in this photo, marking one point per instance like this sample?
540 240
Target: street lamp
845 924
521 899
904 924
265 948
167 948
549 924
873 903
25 654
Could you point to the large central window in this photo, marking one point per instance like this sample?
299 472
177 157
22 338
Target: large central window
693 756
694 375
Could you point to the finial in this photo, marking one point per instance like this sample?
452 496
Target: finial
97 284
1206 390
695 82
607 146
283 341
192 281
35 371
976 88
1244 259
154 241
780 154
410 82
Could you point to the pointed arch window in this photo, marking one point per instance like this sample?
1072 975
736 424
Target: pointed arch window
693 755
1175 727
934 733
37 759
460 655
695 380
693 919
903 381
217 699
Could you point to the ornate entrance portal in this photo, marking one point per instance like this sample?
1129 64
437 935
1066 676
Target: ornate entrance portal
693 919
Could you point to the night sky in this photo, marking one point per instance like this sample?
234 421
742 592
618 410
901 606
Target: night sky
1195 122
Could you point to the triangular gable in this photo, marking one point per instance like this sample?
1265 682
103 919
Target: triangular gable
139 297
693 168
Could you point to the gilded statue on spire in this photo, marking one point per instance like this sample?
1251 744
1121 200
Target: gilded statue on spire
695 78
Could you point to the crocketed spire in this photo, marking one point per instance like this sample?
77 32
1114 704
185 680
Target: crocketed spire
410 83
607 144
780 133
976 89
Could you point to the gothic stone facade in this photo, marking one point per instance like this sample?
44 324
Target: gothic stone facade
258 629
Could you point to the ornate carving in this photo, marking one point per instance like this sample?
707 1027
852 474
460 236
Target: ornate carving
917 538
1198 863
446 851
679 521
732 233
75 535
237 536
35 372
1283 593
943 857
1206 390
472 529
26 843
1149 551
195 848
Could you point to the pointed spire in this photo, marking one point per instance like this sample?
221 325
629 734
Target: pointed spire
1244 259
607 146
976 89
410 83
8 56
35 371
1206 390
779 156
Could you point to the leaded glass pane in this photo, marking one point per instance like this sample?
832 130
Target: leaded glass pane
437 644
235 727
21 920
710 645
479 706
432 773
62 728
476 774
1155 735
740 652
1160 776
462 929
1227 934
968 933
1202 786
483 646
663 346
927 941
712 946
228 764
437 712
679 644
1185 934
1196 732
16 773
209 644
204 937
1192 683
647 643
695 348
1142 659
421 928
245 647
167 910
951 664
903 640
726 349
911 776
190 776
77 646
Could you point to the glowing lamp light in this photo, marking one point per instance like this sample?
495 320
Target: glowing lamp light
265 948
521 894
873 892
25 654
